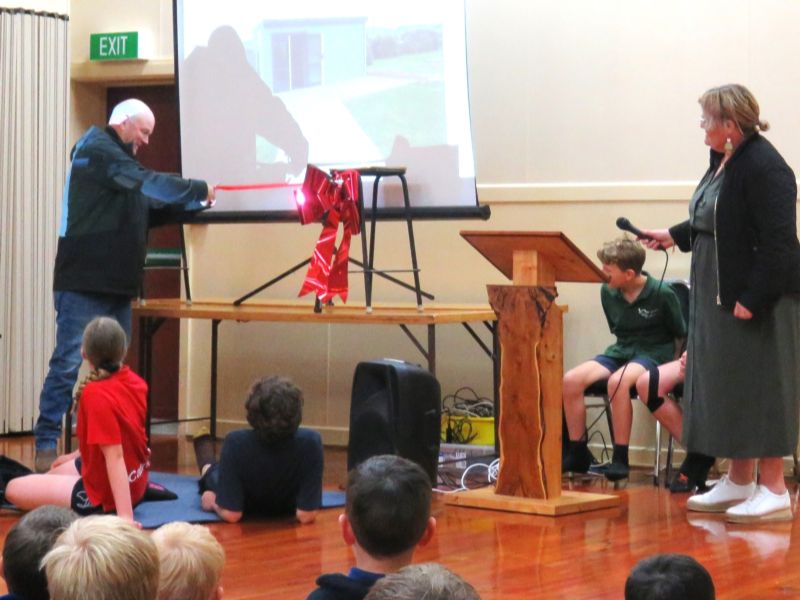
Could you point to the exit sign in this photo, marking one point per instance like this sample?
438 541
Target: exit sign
114 46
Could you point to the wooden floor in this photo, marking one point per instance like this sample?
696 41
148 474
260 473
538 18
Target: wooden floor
505 555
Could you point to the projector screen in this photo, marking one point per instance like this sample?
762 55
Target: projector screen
266 88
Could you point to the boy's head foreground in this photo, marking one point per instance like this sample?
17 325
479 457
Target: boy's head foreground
274 408
103 558
26 544
388 506
191 562
624 254
104 343
430 581
669 577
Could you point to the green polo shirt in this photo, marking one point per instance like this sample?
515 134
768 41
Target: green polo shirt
648 326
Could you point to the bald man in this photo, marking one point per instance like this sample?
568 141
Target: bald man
108 199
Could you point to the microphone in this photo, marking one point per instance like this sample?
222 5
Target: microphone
626 225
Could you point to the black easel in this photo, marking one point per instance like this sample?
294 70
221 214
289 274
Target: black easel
367 264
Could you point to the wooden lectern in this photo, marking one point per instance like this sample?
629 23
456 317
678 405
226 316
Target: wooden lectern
531 372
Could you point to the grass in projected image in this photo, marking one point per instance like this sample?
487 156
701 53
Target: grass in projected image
416 109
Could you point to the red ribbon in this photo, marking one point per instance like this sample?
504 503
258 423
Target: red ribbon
338 194
255 186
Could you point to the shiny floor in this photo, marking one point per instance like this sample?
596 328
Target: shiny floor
505 555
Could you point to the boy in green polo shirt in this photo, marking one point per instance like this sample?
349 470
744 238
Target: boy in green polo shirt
646 318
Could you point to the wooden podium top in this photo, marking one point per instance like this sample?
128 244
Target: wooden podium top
562 257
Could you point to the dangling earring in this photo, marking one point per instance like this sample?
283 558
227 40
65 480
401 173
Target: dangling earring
728 146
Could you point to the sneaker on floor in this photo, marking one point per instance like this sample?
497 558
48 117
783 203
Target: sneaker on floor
204 448
763 505
44 459
721 497
617 471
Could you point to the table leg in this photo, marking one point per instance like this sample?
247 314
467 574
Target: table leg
214 346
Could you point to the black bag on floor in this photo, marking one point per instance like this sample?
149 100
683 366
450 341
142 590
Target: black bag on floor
9 469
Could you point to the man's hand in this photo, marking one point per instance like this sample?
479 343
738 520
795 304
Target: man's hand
212 195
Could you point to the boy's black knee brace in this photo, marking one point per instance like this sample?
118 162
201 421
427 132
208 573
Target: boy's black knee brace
654 401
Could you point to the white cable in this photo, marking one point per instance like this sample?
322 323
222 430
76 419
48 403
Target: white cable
491 472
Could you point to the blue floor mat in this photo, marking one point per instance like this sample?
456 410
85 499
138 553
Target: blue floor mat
187 506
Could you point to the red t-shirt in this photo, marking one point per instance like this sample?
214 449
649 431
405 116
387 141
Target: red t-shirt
113 411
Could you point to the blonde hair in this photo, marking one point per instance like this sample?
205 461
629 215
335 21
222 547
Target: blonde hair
191 562
103 558
623 252
736 103
430 581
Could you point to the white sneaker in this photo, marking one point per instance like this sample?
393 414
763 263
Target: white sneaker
763 505
722 496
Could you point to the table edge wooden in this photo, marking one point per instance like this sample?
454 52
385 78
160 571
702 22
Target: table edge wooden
224 310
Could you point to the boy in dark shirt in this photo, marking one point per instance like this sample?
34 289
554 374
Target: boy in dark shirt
275 468
646 318
387 515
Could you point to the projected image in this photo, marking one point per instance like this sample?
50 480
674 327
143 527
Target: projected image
266 89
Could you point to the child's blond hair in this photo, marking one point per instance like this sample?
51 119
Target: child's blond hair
191 562
102 557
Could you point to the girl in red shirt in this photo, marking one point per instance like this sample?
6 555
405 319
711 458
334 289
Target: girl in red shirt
108 472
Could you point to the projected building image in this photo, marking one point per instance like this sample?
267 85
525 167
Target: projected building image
349 90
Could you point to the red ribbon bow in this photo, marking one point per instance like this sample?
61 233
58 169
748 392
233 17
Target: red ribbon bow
336 194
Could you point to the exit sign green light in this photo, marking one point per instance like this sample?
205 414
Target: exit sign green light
114 46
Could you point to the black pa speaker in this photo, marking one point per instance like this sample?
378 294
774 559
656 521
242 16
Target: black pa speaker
395 408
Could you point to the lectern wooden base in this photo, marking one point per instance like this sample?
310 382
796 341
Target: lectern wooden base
568 503
531 370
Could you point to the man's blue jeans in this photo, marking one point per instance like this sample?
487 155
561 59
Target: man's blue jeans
74 311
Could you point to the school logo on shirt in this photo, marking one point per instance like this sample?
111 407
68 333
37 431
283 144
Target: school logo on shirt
648 313
136 474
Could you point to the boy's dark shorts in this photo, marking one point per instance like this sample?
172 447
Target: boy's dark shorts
614 364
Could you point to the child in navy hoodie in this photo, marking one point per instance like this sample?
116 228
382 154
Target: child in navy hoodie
387 515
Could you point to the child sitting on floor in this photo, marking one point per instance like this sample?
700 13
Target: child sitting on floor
387 515
109 471
191 562
102 557
26 544
275 468
428 581
669 577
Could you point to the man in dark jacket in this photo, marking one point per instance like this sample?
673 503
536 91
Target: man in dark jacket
108 198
